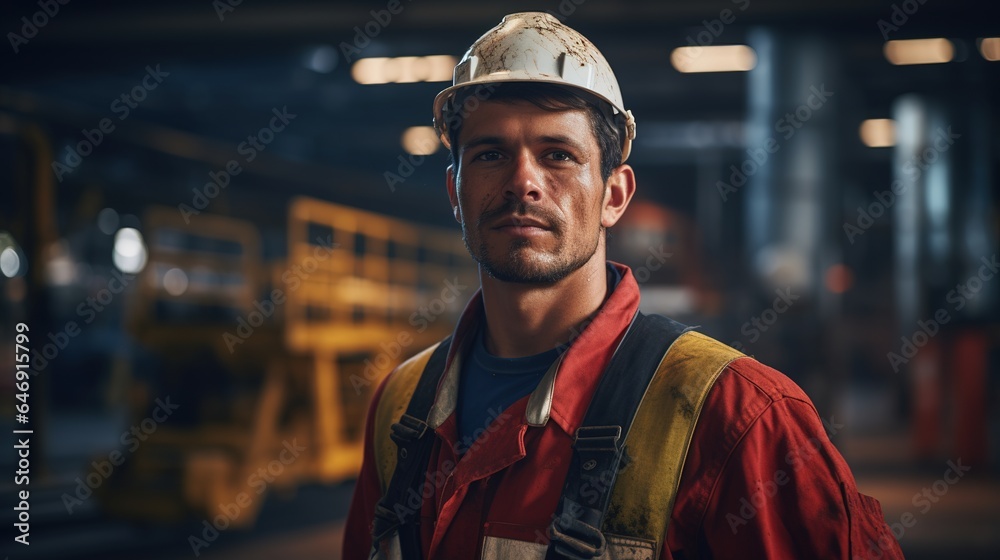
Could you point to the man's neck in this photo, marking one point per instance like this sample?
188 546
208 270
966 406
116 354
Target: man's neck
527 319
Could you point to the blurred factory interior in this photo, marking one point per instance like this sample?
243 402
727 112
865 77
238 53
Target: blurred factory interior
223 222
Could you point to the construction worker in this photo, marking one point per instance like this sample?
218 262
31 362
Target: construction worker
557 421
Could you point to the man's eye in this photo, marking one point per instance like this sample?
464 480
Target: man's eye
491 155
561 156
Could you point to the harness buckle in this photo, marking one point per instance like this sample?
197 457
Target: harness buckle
408 430
598 438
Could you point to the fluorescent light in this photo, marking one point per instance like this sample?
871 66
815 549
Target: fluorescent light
878 133
919 51
420 140
716 58
404 69
990 48
368 71
441 67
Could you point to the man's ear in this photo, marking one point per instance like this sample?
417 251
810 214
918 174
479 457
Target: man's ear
618 191
452 193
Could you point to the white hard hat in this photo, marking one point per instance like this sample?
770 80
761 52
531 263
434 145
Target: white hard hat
537 47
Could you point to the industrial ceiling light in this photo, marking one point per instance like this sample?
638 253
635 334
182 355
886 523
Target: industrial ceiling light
404 69
919 51
420 140
989 47
716 58
878 133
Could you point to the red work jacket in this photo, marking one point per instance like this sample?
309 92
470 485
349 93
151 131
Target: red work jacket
761 480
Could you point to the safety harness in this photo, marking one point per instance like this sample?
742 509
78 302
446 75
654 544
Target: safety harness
394 516
657 382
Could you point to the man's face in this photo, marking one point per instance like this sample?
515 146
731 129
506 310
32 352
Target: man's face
529 191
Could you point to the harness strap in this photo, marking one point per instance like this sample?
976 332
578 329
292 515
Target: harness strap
394 515
642 495
599 451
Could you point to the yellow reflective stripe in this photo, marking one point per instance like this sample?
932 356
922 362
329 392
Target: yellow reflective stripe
644 493
391 406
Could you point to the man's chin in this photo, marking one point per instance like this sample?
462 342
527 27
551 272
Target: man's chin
519 276
526 267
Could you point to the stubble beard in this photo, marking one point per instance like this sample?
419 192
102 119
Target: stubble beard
521 264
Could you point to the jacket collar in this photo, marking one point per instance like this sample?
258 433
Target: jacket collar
564 393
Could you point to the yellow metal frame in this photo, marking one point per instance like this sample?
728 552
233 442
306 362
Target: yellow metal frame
344 305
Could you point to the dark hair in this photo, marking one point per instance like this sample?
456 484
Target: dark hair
549 97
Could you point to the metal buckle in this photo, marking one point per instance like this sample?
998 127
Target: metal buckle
408 429
597 438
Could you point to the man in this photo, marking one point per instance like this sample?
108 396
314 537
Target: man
538 136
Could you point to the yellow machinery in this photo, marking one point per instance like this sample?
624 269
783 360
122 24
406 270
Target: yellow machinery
263 359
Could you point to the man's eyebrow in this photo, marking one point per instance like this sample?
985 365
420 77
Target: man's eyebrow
496 140
482 141
561 139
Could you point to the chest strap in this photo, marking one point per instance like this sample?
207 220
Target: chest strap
599 449
395 526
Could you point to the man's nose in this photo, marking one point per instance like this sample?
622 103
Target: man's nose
526 179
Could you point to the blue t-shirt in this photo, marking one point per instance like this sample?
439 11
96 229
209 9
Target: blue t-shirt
489 384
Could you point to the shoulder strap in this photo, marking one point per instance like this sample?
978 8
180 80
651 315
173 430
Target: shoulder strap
393 515
598 451
643 496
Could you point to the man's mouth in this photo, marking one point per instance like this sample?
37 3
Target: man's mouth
520 225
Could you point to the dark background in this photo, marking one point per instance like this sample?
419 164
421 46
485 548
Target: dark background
860 295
